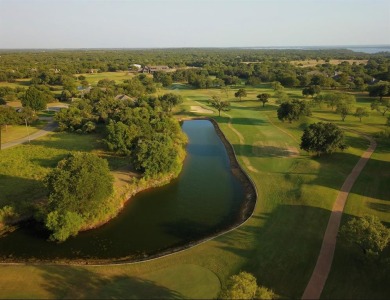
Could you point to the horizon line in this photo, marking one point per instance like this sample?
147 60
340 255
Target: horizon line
210 47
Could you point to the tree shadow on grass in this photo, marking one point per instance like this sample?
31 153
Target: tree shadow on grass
20 192
79 283
280 247
264 151
382 207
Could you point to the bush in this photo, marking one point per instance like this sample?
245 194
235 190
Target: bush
244 286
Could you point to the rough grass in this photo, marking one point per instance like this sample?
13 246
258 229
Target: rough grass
15 132
279 244
118 77
314 62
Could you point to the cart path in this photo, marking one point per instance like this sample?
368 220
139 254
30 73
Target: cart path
324 262
49 127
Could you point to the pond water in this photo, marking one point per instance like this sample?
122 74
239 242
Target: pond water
203 200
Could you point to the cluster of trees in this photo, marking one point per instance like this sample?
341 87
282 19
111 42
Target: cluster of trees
78 189
293 110
227 67
244 286
142 129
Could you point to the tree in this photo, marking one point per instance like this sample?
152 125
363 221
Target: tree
220 105
225 89
170 100
240 93
78 189
381 106
8 116
360 113
281 96
345 104
311 90
322 138
241 286
263 98
120 137
244 286
156 155
35 99
277 86
380 90
293 110
368 233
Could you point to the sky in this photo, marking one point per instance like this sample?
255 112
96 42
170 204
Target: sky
188 23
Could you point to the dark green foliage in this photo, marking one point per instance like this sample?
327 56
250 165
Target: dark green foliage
156 155
293 110
344 104
170 100
150 137
77 118
78 189
36 99
368 233
311 90
240 93
120 137
322 138
380 90
263 98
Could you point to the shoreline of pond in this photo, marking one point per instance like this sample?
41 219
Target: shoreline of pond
245 212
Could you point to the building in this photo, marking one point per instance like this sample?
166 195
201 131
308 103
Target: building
152 69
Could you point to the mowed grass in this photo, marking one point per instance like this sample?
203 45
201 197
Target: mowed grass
22 168
118 77
279 244
315 62
15 132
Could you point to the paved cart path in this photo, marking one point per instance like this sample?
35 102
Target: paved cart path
49 127
324 262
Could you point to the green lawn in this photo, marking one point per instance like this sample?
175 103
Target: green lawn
118 77
16 132
279 244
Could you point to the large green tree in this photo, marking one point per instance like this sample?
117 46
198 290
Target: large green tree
35 99
380 90
344 105
78 189
293 110
368 233
219 105
322 138
170 100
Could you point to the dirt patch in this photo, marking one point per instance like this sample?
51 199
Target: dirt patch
201 110
269 149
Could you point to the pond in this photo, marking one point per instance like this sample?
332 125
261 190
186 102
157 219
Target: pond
204 200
